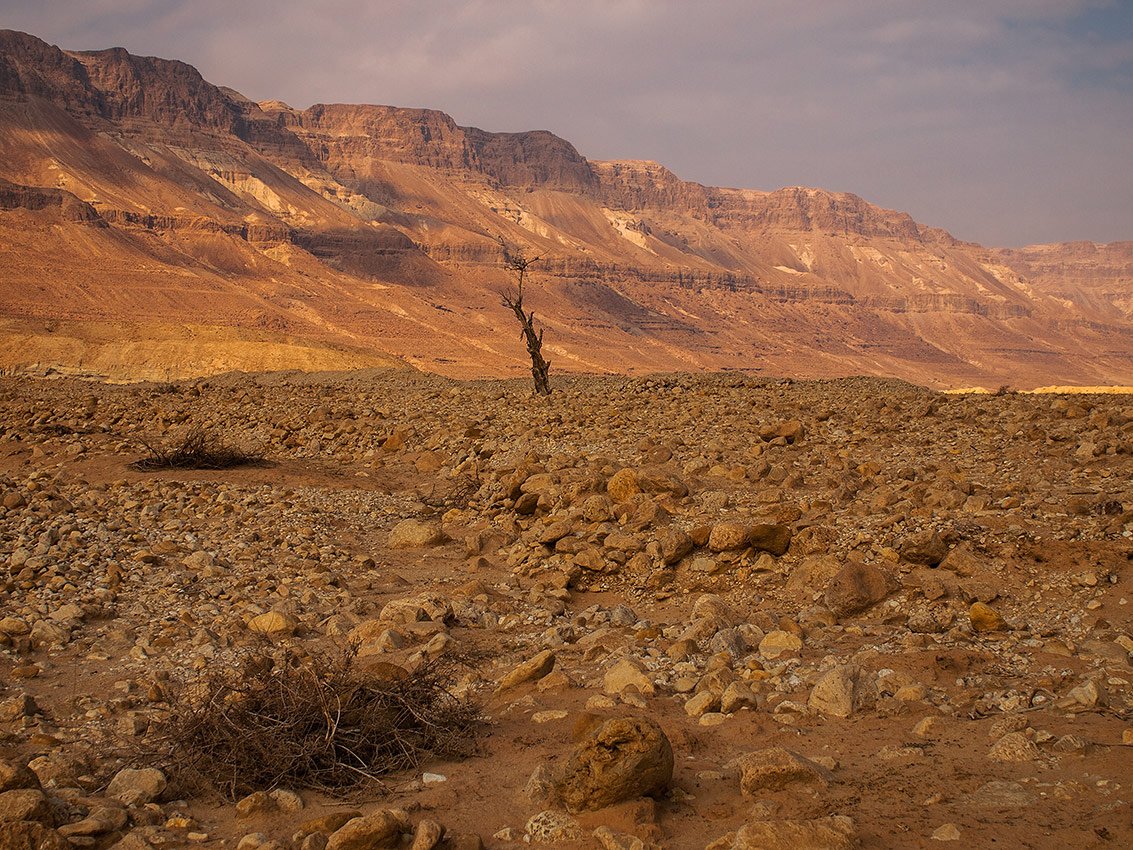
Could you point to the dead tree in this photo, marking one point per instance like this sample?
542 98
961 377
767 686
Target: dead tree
518 263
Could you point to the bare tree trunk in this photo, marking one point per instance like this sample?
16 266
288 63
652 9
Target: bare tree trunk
539 367
518 264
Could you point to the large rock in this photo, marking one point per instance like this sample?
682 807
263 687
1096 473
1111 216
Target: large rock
137 787
857 587
925 547
27 835
628 674
14 774
775 768
623 485
624 758
777 642
412 534
713 608
984 618
775 539
531 670
274 624
24 804
727 536
842 691
675 545
376 831
831 833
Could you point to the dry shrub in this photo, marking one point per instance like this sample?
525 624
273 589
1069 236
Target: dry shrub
321 723
196 450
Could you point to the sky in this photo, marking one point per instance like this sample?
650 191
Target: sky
1006 122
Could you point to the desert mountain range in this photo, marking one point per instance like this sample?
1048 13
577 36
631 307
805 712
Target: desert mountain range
154 225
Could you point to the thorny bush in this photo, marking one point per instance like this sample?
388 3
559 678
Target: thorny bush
324 722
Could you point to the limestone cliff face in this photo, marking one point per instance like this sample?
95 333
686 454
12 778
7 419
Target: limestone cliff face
343 135
378 227
65 205
1098 278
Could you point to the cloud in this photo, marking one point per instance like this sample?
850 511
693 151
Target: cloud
1005 121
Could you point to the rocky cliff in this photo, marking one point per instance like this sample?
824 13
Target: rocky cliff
378 228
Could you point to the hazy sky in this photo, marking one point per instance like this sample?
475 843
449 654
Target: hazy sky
1007 122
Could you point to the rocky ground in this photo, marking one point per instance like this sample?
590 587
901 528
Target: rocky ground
703 611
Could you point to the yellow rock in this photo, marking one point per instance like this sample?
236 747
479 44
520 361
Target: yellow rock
985 618
274 623
623 485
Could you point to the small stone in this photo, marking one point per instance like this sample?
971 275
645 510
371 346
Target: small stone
946 832
926 547
736 696
286 801
18 706
701 704
927 727
375 831
540 788
675 545
326 824
857 587
911 693
102 819
775 768
727 536
1014 746
427 835
256 803
550 827
1088 694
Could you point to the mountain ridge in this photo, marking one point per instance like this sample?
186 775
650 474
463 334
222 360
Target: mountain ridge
378 227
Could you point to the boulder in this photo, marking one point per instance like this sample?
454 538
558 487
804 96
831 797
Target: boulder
137 787
25 804
623 485
412 534
27 835
728 536
857 587
774 538
623 758
924 547
842 691
14 774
